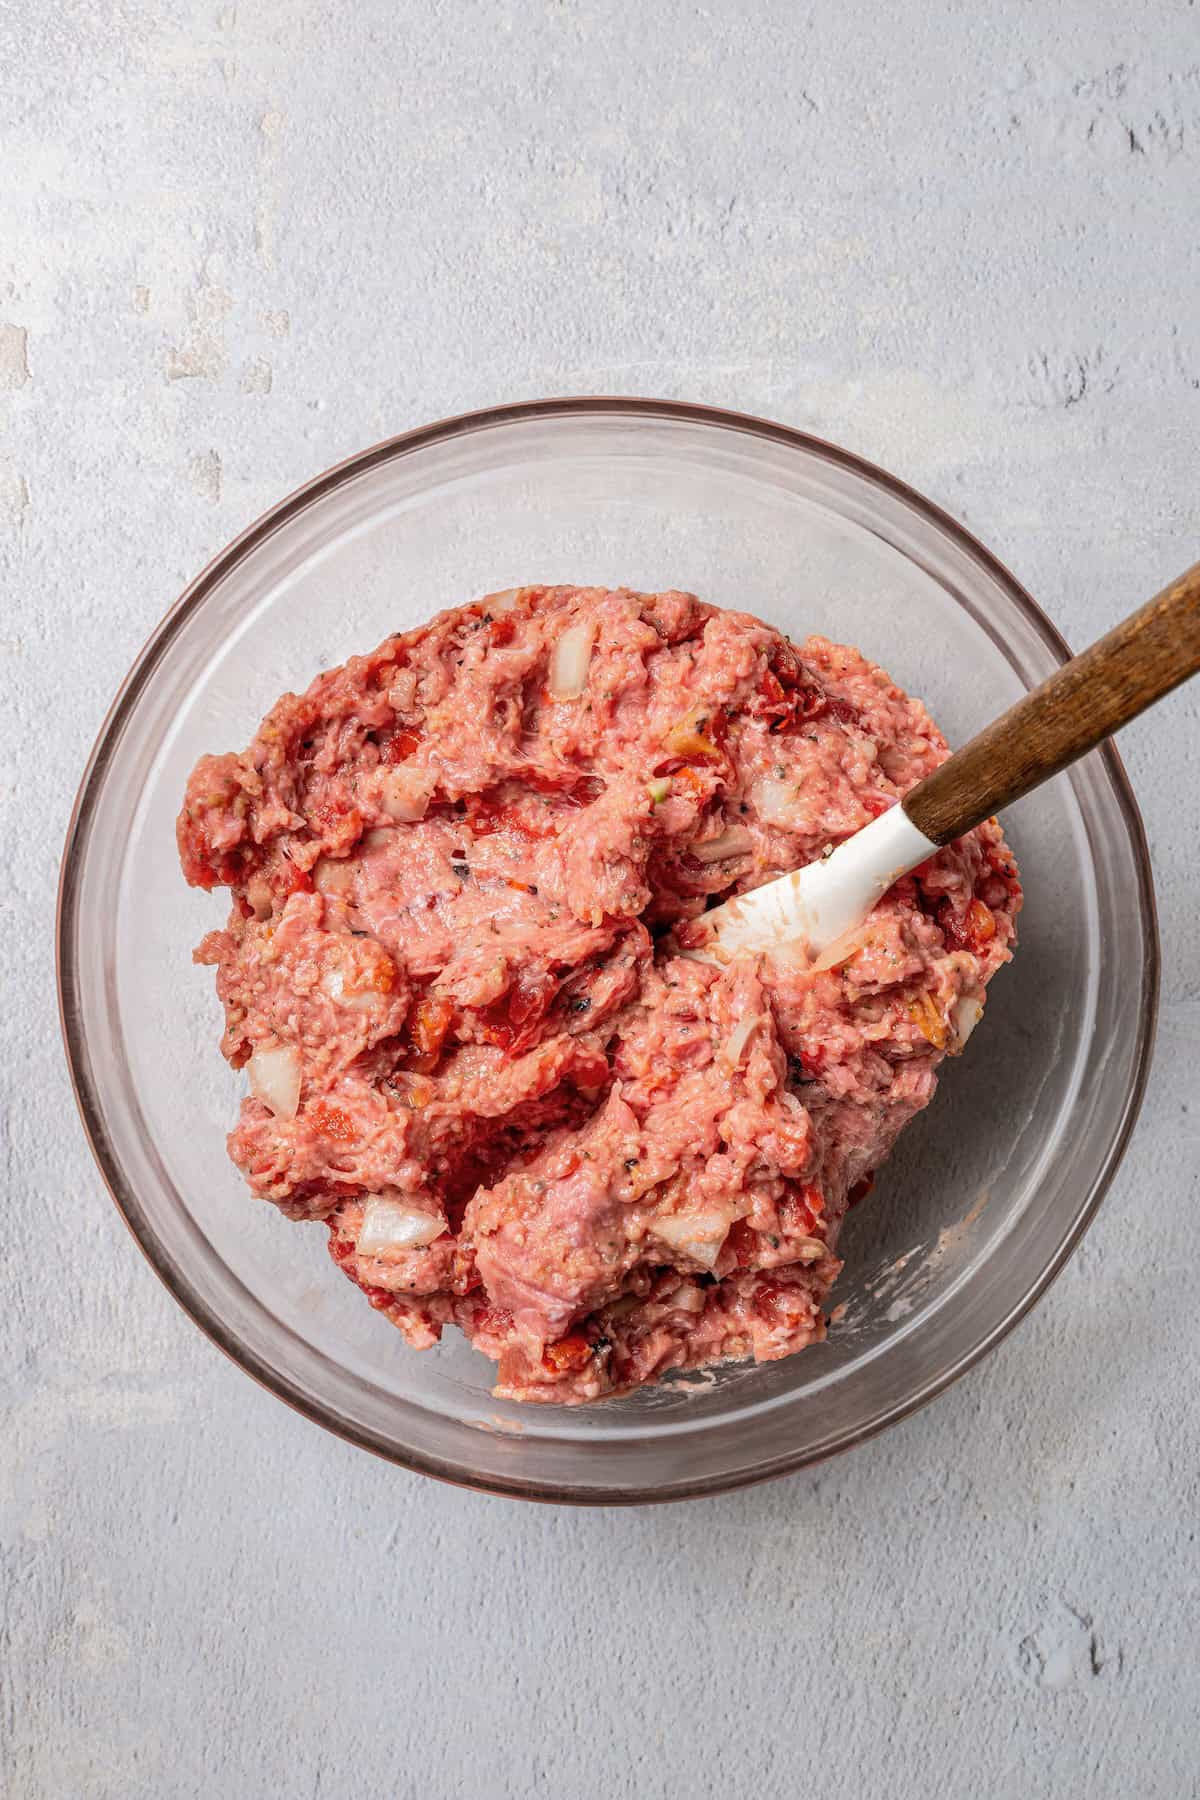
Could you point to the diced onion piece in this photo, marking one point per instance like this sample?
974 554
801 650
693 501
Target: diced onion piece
258 893
698 1235
809 1249
842 950
775 800
333 875
392 1222
274 1073
404 794
739 1037
659 789
503 600
334 984
787 957
965 1014
734 841
570 661
687 1298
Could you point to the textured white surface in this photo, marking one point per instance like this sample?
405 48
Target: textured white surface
237 244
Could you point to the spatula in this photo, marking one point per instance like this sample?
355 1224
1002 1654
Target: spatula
1083 702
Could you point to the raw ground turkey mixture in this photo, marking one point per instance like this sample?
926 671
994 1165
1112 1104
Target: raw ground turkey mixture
466 870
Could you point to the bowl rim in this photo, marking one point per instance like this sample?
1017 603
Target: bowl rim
85 1090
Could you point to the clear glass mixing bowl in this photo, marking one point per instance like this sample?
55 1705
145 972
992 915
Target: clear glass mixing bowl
987 1193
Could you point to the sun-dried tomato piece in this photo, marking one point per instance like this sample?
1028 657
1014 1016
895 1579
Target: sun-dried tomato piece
789 696
513 1021
786 696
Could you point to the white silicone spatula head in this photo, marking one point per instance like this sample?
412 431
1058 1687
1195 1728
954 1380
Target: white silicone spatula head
1085 701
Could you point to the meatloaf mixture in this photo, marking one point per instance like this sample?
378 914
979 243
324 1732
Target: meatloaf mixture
466 871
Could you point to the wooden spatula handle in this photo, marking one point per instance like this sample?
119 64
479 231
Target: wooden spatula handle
1081 704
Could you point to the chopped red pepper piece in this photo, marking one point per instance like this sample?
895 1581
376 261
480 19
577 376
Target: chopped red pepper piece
976 928
293 880
330 1121
428 1028
569 1354
400 745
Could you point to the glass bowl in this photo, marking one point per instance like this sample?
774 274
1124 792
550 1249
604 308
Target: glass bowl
988 1191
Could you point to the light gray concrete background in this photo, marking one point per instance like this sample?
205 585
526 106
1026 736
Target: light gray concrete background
238 242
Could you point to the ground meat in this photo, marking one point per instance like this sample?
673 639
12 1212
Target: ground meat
456 968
